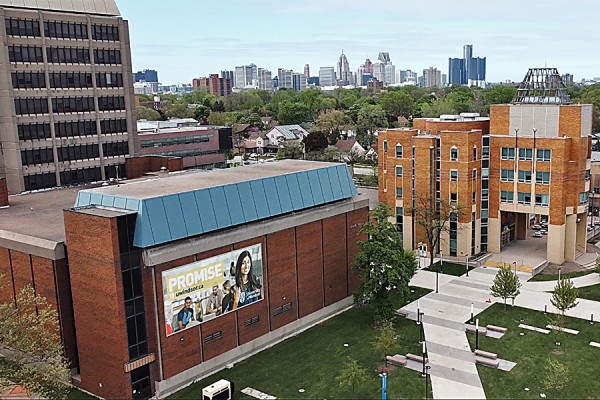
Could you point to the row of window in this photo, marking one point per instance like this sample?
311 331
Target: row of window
80 152
60 30
70 80
524 198
25 54
67 55
63 55
73 153
541 177
65 80
106 56
508 153
109 80
151 143
39 105
113 149
71 177
37 156
40 131
28 80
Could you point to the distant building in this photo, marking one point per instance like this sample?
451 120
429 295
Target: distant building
468 70
201 147
147 75
313 81
298 81
432 77
384 57
145 87
368 66
567 79
344 75
265 81
457 73
245 75
327 76
374 85
213 85
406 76
307 70
227 74
285 78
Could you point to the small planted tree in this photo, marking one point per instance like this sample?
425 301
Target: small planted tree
351 375
386 340
506 285
382 264
556 377
564 298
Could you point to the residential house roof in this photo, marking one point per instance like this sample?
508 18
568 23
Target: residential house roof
291 132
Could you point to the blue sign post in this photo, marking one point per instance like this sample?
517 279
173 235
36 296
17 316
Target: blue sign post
383 386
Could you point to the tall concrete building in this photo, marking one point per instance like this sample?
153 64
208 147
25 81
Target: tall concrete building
307 70
245 75
528 162
265 81
147 75
298 81
285 78
66 110
327 76
214 85
468 70
344 74
432 77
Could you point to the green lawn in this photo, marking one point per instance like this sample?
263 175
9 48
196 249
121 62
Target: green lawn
589 292
550 277
532 350
76 394
449 268
313 359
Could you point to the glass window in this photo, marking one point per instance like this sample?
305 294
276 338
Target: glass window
398 192
506 196
524 198
587 174
544 154
524 176
542 200
526 154
399 171
454 154
583 197
507 175
542 178
474 175
453 197
474 153
398 151
385 146
508 153
454 175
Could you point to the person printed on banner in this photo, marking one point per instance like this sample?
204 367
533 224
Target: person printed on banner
214 301
228 293
185 315
247 285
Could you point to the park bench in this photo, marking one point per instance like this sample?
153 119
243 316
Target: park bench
487 362
496 328
402 313
396 360
414 357
471 329
486 354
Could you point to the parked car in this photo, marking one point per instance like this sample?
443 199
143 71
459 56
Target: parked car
589 228
536 235
543 231
537 227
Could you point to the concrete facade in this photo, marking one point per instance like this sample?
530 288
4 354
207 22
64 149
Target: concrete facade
46 145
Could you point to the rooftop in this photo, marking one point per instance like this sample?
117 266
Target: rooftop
542 86
101 7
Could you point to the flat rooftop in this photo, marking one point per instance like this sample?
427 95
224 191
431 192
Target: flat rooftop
188 181
100 7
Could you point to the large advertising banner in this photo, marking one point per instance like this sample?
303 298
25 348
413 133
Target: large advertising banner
206 289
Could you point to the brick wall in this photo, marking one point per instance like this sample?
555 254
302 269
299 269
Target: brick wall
3 192
137 167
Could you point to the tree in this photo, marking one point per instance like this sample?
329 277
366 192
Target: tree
224 118
292 113
397 103
370 118
382 264
351 375
148 114
332 124
564 296
311 98
499 94
598 264
386 340
557 376
290 150
506 285
201 113
315 141
30 344
435 220
179 110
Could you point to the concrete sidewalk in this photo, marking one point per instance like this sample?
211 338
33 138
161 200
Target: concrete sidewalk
548 286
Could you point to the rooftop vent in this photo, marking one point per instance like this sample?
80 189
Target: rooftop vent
542 86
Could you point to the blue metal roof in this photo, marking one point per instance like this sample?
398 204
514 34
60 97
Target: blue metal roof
172 216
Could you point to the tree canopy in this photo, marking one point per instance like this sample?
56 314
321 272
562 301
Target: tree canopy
506 285
148 114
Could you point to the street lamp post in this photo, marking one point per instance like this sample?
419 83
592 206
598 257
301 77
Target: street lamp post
467 257
558 274
437 274
427 368
423 358
471 313
383 385
418 312
477 334
515 266
441 261
421 338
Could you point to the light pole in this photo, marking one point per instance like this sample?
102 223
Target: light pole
558 274
471 312
515 266
477 334
418 312
467 257
437 275
423 358
427 368
383 385
441 261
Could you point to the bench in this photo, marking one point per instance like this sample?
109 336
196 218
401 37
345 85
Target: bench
471 329
487 362
496 328
486 354
414 357
396 360
402 313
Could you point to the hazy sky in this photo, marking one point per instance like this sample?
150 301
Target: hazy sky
183 39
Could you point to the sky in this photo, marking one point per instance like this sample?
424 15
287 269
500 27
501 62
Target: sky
186 39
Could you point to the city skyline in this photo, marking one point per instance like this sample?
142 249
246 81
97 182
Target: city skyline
216 36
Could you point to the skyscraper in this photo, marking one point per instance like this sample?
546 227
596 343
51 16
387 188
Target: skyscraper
265 81
432 77
147 75
307 70
384 57
67 114
343 70
298 81
327 76
227 74
467 71
285 78
245 75
457 73
368 66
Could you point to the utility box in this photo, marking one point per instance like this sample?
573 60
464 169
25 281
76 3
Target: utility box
220 390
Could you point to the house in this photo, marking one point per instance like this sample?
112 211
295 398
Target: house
278 135
403 121
349 147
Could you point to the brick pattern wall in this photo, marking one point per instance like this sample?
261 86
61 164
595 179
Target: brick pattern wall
137 167
3 192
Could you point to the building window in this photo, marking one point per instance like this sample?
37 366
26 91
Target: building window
65 30
81 152
72 104
453 234
524 176
453 197
507 175
109 80
524 198
68 55
526 154
485 194
75 128
474 196
398 151
508 153
70 80
542 200
22 27
115 149
108 33
453 175
454 154
474 153
108 126
399 172
474 175
37 131
587 174
506 196
544 154
542 178
111 103
31 105
40 181
398 192
385 146
82 175
400 221
583 197
28 80
37 156
107 57
25 54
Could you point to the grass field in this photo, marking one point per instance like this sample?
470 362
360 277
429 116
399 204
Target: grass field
449 268
589 292
312 360
531 351
549 277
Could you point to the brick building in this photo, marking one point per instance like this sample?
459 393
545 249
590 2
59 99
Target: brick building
136 250
529 161
214 85
67 114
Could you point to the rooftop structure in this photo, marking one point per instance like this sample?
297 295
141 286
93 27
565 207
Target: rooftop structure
101 7
542 86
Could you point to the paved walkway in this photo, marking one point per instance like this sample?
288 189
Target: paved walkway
453 371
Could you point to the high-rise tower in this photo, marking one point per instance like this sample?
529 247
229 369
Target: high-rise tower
343 70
